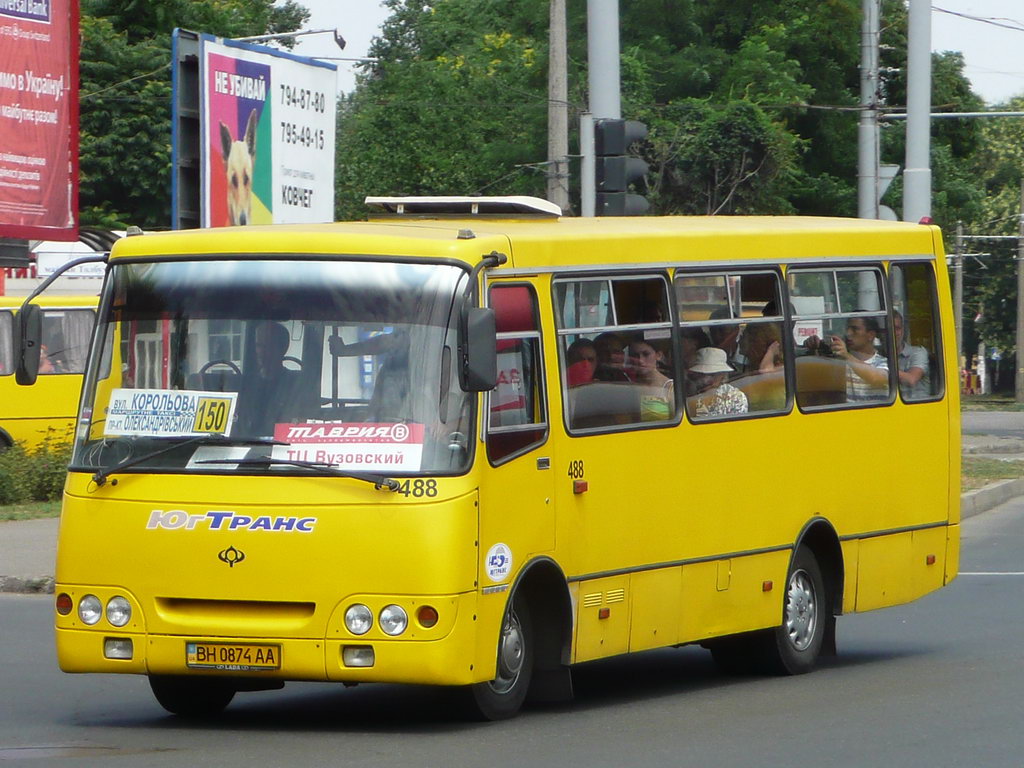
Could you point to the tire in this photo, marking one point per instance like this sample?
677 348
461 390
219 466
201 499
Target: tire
191 697
502 697
793 647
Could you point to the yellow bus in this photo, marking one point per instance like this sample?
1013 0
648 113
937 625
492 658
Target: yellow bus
473 443
48 410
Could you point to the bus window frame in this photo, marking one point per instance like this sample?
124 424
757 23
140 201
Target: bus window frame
936 328
671 325
782 298
879 268
540 379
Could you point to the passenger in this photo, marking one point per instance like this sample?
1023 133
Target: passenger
611 357
765 385
867 372
692 339
45 361
762 346
642 364
709 393
657 400
912 364
727 337
581 362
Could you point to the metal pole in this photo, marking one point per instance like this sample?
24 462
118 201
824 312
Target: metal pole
867 128
558 109
588 191
603 58
917 176
958 290
1018 387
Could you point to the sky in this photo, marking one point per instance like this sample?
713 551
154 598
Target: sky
993 53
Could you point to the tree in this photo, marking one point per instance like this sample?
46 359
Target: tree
125 129
724 85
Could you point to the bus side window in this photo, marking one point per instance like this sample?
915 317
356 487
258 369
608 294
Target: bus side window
841 337
517 418
739 317
6 343
916 332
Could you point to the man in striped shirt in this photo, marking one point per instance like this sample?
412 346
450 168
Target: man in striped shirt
867 372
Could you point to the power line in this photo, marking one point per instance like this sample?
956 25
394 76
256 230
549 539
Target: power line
995 21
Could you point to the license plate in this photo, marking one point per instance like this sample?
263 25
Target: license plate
232 656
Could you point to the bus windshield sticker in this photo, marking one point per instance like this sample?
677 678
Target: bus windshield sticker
353 445
169 413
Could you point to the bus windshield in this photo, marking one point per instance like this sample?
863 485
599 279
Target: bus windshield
344 364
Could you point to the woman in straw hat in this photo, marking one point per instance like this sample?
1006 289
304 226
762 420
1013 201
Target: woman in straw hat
710 395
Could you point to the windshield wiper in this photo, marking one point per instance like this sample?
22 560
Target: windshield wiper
100 478
379 481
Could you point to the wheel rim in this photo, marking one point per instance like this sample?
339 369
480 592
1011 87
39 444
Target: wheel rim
511 654
801 610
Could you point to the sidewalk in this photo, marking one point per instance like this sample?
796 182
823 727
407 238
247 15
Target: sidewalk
28 548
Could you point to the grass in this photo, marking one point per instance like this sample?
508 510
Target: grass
30 510
976 472
990 403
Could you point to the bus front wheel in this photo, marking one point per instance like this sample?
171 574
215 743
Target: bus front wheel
502 697
192 697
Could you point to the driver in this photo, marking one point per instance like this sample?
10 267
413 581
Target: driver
268 394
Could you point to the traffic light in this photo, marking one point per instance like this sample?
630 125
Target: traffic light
616 169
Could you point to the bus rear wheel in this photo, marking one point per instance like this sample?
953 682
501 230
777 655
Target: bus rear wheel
502 697
191 697
794 647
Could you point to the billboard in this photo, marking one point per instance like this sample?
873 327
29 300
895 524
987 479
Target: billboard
39 119
267 128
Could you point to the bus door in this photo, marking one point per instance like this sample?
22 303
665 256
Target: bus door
517 519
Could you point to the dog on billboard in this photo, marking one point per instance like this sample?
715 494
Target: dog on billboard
239 159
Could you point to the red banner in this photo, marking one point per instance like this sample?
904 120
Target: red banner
39 119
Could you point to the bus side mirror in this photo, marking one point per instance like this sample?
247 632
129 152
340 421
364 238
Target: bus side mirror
479 351
28 343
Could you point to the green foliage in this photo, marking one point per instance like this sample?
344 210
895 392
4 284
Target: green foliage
125 91
35 474
13 488
461 111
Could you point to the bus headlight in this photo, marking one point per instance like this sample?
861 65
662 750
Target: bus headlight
358 619
393 620
90 609
119 611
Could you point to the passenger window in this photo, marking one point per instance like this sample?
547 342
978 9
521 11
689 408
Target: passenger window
732 344
615 342
840 332
915 332
6 343
65 340
517 409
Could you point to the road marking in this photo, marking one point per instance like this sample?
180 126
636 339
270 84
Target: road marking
991 573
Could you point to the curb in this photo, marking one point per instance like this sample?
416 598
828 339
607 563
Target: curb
975 502
42 585
971 503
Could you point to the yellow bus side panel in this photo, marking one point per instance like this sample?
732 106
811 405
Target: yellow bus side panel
657 608
710 611
597 637
952 552
901 567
